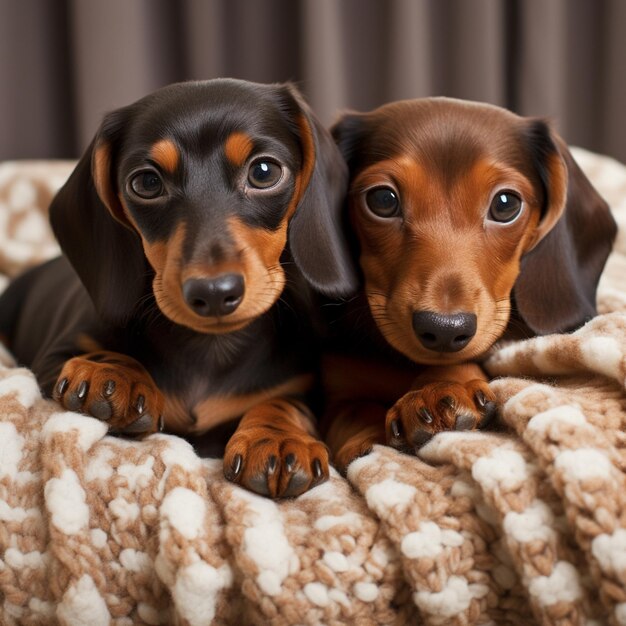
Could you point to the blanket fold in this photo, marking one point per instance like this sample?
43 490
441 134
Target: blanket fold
522 526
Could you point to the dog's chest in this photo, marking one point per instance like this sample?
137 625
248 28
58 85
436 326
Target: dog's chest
207 384
196 412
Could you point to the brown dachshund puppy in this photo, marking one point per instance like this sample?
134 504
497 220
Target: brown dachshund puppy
178 298
471 224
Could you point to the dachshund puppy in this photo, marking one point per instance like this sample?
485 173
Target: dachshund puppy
471 224
177 299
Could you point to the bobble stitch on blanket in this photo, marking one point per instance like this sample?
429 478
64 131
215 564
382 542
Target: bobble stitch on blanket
22 530
299 533
593 501
444 574
510 485
24 198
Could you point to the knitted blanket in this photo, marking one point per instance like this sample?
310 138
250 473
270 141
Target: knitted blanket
526 526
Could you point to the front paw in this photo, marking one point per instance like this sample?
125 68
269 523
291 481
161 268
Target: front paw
436 407
124 396
273 463
350 451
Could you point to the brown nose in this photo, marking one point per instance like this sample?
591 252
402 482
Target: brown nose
444 333
214 296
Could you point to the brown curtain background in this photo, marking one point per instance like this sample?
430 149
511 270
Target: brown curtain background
63 63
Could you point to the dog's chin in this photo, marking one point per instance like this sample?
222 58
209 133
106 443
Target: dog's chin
397 328
182 316
407 344
431 357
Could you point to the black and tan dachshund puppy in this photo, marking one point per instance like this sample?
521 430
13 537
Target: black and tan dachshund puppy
177 298
471 224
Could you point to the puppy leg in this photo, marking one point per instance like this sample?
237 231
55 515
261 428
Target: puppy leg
358 392
457 397
113 388
275 451
355 426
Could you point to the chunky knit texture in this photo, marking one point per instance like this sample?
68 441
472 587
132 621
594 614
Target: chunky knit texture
525 526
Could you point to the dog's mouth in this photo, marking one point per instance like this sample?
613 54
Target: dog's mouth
216 305
434 337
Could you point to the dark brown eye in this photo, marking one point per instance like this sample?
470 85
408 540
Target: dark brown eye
264 174
383 202
505 207
147 185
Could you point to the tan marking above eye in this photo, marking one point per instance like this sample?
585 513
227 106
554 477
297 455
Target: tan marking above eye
237 148
166 154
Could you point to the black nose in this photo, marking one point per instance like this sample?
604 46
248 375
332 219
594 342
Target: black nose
444 333
214 296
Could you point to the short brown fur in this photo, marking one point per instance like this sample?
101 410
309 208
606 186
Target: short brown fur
442 255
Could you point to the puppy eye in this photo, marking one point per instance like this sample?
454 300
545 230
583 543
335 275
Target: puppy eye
383 202
505 206
147 185
264 174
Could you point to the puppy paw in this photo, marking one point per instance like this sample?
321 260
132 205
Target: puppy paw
436 407
121 393
275 464
356 447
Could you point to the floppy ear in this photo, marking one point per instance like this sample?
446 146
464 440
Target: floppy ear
556 289
316 231
348 132
89 223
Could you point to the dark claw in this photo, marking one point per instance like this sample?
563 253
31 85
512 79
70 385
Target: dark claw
465 422
102 410
140 425
420 437
81 392
272 462
296 485
259 485
140 405
317 469
109 388
491 410
62 386
290 462
161 425
426 415
236 465
480 398
73 402
395 429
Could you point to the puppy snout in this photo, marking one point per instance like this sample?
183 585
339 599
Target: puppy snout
214 296
444 333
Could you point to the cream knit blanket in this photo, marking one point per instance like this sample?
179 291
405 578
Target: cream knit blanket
521 528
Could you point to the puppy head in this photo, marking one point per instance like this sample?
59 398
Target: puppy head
462 212
191 191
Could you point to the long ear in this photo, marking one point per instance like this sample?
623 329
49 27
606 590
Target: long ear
316 231
556 289
90 225
348 133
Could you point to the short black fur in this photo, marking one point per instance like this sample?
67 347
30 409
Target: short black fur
101 288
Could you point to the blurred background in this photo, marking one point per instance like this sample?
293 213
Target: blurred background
63 63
